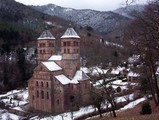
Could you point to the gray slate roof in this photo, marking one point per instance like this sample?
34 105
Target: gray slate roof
46 35
70 33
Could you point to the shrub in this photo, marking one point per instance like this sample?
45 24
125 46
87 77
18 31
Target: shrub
146 109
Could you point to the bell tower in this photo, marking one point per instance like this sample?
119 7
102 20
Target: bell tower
45 46
70 50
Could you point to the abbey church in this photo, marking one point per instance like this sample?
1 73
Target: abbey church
57 83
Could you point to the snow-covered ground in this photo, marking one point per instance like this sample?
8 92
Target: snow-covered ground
16 99
89 109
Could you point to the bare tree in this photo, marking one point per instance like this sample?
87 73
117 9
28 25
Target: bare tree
143 34
103 93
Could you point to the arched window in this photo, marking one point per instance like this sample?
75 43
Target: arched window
40 51
64 43
64 50
36 83
37 94
42 94
58 101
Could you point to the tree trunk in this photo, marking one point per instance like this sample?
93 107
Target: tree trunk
113 108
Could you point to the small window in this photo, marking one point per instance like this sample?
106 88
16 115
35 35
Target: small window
58 101
40 51
36 83
37 94
64 43
47 95
64 50
43 51
40 45
41 84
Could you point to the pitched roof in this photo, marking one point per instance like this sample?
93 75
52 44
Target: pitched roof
51 66
70 33
63 79
80 76
46 35
56 57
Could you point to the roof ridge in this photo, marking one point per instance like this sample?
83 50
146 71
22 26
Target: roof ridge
70 33
46 35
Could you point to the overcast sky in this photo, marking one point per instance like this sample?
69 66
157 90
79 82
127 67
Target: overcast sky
102 5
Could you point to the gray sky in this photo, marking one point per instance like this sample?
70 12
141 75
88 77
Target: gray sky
101 5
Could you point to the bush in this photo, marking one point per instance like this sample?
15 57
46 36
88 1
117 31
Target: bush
146 109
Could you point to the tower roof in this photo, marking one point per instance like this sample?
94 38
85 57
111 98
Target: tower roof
70 33
46 35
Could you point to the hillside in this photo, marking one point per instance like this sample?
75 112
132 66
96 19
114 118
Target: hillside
102 22
20 25
133 114
15 12
129 11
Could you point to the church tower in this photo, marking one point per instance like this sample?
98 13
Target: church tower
70 50
45 46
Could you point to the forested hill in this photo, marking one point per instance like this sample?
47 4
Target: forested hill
20 25
16 12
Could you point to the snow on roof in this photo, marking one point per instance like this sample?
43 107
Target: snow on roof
97 71
132 74
134 58
52 66
80 75
85 69
115 71
46 35
56 57
119 82
63 79
70 33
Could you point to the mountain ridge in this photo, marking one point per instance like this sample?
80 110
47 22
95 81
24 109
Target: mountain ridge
101 21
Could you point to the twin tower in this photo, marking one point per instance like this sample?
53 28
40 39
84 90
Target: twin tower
57 83
70 50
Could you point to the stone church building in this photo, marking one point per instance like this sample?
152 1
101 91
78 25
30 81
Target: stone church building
58 84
